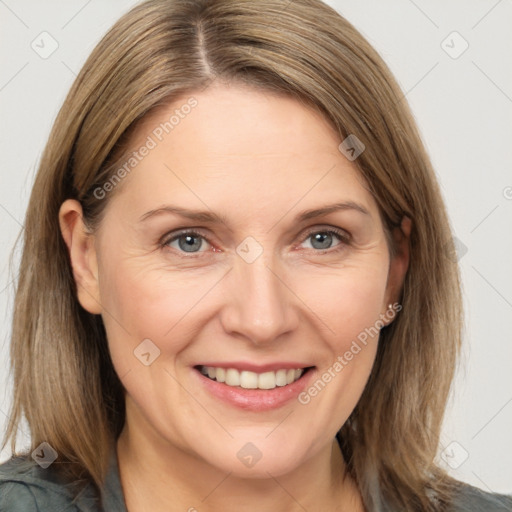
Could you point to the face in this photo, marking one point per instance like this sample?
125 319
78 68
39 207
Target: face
222 253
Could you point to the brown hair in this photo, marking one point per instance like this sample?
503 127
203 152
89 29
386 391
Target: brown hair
64 381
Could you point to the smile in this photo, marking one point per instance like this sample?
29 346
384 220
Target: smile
254 387
252 380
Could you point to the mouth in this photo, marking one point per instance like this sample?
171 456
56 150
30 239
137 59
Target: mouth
245 379
252 387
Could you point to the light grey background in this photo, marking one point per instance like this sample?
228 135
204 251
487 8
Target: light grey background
463 105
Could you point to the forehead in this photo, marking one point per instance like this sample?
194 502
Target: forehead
238 146
242 121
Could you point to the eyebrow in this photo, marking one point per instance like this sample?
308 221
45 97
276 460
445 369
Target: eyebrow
211 217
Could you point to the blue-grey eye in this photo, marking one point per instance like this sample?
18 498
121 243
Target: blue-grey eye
323 240
188 242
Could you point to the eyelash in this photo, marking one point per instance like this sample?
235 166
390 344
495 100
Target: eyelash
342 236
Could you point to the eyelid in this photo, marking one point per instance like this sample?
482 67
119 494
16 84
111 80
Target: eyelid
343 234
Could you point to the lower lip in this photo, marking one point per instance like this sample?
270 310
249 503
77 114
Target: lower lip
255 399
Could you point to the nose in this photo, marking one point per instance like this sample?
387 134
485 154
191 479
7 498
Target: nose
260 305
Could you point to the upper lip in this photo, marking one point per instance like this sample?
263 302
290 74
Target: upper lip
256 368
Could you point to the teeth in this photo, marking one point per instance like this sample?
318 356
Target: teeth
267 380
232 377
281 378
220 375
249 380
252 380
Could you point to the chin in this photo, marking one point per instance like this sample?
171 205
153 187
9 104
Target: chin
256 456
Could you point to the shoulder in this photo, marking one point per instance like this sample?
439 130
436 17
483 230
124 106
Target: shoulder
26 487
472 499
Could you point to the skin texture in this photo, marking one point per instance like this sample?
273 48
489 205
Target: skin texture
258 159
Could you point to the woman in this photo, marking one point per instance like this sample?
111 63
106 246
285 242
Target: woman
226 296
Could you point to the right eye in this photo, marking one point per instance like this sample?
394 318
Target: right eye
186 242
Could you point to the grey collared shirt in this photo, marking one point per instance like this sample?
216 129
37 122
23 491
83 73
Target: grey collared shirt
30 488
34 489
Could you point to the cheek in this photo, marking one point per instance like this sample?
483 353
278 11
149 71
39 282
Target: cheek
347 301
141 301
350 307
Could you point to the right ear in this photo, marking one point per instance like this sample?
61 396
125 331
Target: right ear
82 253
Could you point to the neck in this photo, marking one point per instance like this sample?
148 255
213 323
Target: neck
166 478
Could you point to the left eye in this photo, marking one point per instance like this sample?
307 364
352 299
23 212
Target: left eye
187 242
323 240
